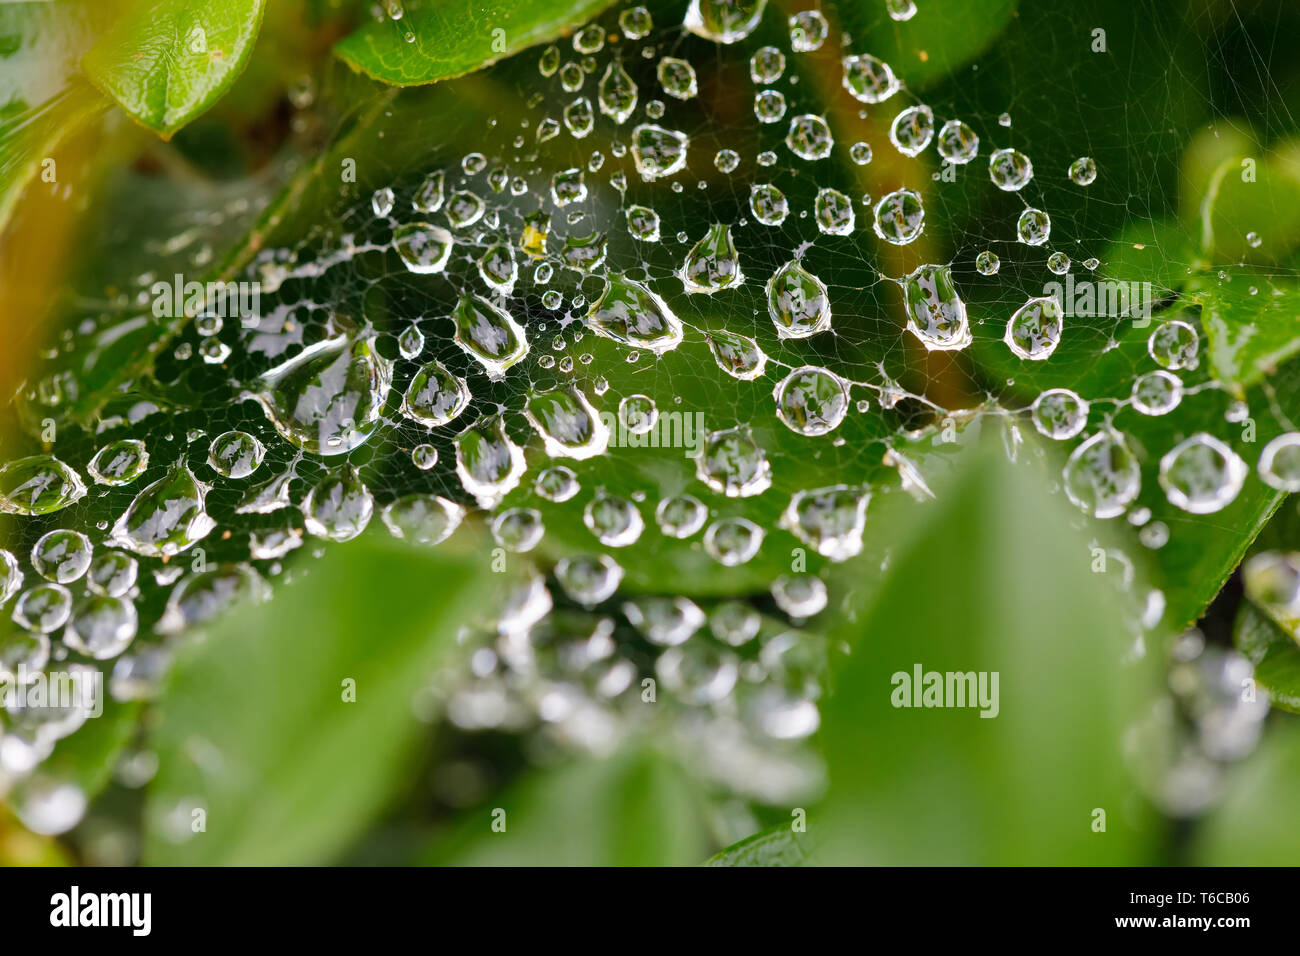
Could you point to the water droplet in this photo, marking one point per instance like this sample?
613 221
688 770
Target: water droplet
532 239
235 454
808 31
732 463
488 334
1034 330
834 212
935 312
988 264
435 396
635 22
166 517
424 456
1157 393
1010 169
769 106
737 355
900 9
768 204
464 208
617 94
1279 466
698 673
666 621
726 160
112 573
1059 413
411 342
912 130
799 595
571 77
658 152
488 463
613 520
567 423
713 264
809 137
329 398
1083 171
811 401
766 65
638 413
868 79
38 485
590 39
423 247
579 119
43 608
1174 345
899 217
631 314
518 529
381 203
549 61
860 153
101 627
62 555
723 21
339 507
828 520
498 270
119 463
204 595
589 579
733 541
957 142
270 495
1102 476
797 302
1033 227
680 516
1201 474
1059 263
557 483
643 223
422 519
677 77
429 197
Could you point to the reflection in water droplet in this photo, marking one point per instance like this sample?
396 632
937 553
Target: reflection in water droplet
680 516
434 397
1059 414
1034 331
119 463
62 555
235 454
811 401
615 521
899 217
733 541
809 137
339 507
629 313
713 264
723 21
677 77
1102 476
166 517
658 152
935 312
489 335
568 424
738 355
423 247
488 463
1201 474
518 529
797 302
829 520
38 485
868 79
421 518
101 627
733 464
589 579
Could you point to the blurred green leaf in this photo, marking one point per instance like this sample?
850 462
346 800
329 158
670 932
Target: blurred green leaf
440 39
87 757
990 577
253 725
775 846
1274 653
1255 823
166 61
637 808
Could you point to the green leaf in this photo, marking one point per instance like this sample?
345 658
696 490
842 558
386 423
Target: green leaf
1274 653
1252 324
635 809
440 39
253 725
166 61
775 846
991 578
1254 824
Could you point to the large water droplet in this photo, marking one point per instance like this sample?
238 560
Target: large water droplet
615 521
713 264
724 21
737 355
62 555
899 217
732 463
658 152
1201 474
488 463
680 516
423 247
912 130
435 396
733 541
569 426
205 594
629 313
1010 169
235 454
498 270
617 93
935 312
677 77
166 517
339 507
797 302
329 398
422 519
119 463
829 520
834 212
1102 476
868 79
488 334
1174 345
1034 330
1059 413
589 579
38 485
768 204
809 137
1157 393
101 627
811 401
